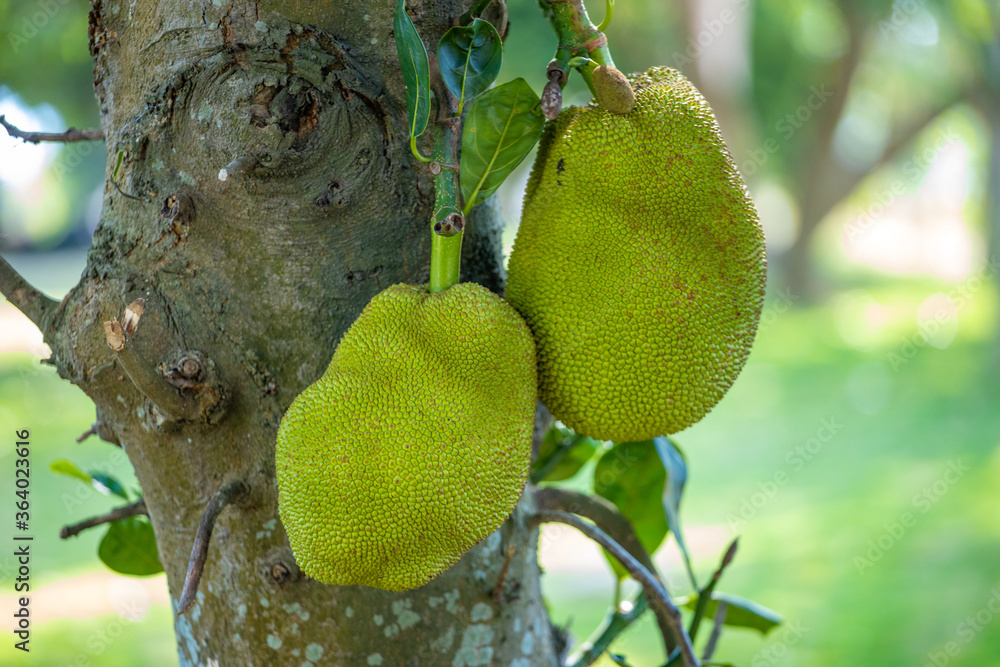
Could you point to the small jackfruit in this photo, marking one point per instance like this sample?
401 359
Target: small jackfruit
639 264
416 442
613 90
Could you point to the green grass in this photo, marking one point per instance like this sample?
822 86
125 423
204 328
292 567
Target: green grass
897 431
101 641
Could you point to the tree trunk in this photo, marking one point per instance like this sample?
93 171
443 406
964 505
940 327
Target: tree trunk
255 278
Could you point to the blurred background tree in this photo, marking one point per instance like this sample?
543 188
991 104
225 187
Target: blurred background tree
869 134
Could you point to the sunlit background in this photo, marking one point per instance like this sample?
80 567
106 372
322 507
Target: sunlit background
857 455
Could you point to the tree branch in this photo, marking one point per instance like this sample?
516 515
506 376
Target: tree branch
199 551
896 146
69 136
655 592
26 298
606 517
86 434
123 512
814 176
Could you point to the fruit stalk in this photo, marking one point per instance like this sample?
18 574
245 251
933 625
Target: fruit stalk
577 35
446 237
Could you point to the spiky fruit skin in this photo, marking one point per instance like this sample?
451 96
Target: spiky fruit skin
639 264
415 444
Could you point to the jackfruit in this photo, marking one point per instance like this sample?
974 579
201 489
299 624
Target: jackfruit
639 264
415 443
613 90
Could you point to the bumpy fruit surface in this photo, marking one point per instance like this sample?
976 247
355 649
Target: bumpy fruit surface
415 443
639 264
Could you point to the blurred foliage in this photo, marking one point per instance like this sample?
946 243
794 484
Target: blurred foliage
44 61
44 56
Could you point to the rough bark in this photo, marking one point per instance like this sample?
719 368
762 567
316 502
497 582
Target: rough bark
256 277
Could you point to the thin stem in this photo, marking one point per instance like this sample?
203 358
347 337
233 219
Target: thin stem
614 624
705 594
475 12
199 551
446 271
446 251
657 595
416 151
719 621
609 11
69 136
123 512
577 35
23 296
607 517
86 434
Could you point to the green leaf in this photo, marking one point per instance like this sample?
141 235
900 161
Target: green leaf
129 547
631 476
561 455
64 467
741 613
673 461
470 58
501 127
107 484
416 70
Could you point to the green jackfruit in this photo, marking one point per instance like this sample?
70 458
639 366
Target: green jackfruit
639 264
613 90
415 444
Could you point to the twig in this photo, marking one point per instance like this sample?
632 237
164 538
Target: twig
607 517
713 639
35 305
123 512
86 434
144 376
615 623
498 589
705 594
199 552
69 136
657 595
